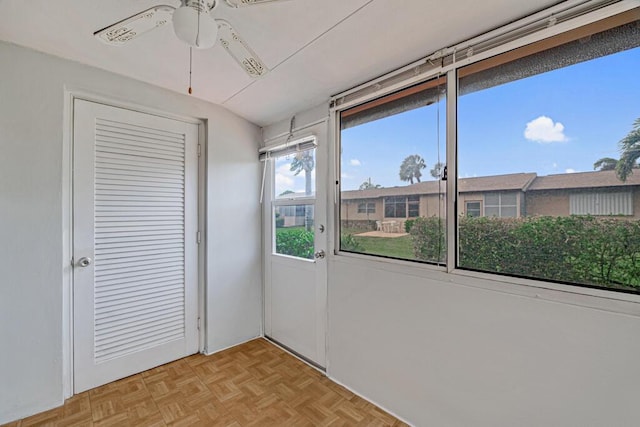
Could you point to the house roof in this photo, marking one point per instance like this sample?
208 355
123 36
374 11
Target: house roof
514 181
509 182
583 180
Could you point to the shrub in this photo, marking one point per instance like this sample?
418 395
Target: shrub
295 242
349 243
428 238
408 224
576 249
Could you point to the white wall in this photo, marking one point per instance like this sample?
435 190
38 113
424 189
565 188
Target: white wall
31 219
441 349
446 350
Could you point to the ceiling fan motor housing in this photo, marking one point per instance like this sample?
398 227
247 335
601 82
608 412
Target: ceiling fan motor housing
194 25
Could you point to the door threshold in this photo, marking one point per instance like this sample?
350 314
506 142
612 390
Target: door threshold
294 353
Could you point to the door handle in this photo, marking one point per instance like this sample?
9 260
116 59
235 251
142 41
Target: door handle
84 262
319 254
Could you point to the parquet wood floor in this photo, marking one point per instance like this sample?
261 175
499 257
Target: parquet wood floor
253 384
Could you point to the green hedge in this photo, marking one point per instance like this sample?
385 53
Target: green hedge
428 238
295 241
577 249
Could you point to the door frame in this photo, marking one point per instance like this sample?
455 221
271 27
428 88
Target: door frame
70 95
319 131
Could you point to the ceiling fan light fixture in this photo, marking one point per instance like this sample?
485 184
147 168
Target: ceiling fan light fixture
193 24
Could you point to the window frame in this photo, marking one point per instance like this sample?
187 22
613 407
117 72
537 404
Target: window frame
500 204
367 207
573 30
286 201
480 207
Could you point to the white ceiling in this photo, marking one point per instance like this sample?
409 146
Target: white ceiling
314 48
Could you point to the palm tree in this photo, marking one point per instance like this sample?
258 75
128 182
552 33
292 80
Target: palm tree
367 184
304 162
411 167
437 170
605 164
630 149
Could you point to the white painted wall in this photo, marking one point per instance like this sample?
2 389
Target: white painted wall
440 349
32 216
443 350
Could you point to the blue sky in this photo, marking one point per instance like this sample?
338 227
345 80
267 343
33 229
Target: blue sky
558 122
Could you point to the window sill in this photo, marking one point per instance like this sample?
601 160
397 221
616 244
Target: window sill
599 299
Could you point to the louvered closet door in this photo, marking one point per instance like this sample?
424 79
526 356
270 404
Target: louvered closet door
135 249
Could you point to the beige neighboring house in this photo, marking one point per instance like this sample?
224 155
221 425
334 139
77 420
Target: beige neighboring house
594 193
511 195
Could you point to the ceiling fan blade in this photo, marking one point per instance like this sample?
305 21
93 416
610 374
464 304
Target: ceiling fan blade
241 3
134 26
239 50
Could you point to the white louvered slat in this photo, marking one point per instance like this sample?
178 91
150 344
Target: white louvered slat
143 271
117 336
122 162
132 129
137 137
139 249
141 143
123 289
114 322
148 342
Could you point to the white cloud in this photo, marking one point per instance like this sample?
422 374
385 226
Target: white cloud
284 178
283 181
344 175
544 130
555 165
569 170
355 162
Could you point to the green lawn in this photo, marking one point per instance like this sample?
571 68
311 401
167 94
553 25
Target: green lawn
396 247
297 242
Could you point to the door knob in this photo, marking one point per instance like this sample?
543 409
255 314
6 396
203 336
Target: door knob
319 254
84 261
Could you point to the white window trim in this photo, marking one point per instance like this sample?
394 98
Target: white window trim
500 204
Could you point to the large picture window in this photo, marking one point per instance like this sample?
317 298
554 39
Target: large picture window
544 127
547 172
392 157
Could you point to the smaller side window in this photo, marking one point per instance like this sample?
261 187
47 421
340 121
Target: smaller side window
413 206
472 209
500 205
366 207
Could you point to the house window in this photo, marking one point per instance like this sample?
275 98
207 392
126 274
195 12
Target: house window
402 207
395 207
601 203
393 148
413 206
472 209
367 207
532 124
501 205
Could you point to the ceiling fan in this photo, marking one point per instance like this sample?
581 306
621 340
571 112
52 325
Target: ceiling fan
194 25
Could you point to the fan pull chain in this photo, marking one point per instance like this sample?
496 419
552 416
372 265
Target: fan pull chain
190 66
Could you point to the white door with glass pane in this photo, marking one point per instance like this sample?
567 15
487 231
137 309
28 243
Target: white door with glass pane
134 242
295 267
